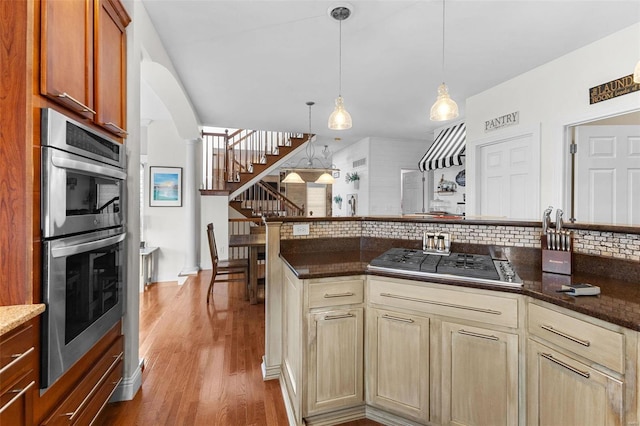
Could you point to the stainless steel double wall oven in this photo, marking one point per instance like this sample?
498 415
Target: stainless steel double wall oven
83 219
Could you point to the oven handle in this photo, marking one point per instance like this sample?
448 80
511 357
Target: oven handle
68 163
83 247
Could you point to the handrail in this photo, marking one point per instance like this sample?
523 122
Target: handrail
251 132
227 155
263 200
283 198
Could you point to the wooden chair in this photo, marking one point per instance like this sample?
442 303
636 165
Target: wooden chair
224 267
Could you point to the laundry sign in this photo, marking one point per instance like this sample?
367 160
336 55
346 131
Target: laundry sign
613 89
510 119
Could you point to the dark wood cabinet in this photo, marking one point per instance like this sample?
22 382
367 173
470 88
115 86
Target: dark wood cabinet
88 395
17 375
83 59
110 66
66 54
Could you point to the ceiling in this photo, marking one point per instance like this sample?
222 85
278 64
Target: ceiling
254 64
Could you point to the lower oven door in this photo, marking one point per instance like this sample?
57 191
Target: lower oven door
83 290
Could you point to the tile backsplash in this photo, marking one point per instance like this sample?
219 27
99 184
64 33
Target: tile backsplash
607 244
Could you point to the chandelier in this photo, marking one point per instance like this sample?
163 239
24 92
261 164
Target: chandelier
310 163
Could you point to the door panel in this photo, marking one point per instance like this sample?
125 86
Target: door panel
412 192
607 172
509 178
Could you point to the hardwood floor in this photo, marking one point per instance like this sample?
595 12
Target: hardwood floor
202 363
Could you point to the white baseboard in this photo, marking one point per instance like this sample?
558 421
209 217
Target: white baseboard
337 417
287 403
269 372
129 386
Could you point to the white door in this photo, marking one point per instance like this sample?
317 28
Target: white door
412 192
509 178
316 200
607 188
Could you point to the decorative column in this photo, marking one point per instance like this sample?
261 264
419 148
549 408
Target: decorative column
191 186
273 289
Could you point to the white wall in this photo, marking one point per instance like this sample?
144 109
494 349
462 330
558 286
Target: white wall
553 96
214 209
343 160
380 179
165 226
388 157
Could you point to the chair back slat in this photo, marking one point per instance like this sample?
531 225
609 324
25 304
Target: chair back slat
213 250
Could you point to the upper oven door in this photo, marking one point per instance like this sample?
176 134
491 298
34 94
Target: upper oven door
79 194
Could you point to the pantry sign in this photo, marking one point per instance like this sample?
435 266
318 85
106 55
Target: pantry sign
613 89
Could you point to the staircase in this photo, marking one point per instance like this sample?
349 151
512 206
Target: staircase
235 164
262 200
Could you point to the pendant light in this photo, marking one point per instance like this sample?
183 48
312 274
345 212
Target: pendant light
340 119
444 108
293 177
325 179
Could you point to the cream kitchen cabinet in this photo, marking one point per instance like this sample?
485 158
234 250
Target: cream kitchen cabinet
580 370
564 391
398 364
335 359
479 376
323 326
452 352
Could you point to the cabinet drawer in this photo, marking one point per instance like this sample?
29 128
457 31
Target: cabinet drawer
333 293
16 403
101 397
473 306
17 355
606 347
85 394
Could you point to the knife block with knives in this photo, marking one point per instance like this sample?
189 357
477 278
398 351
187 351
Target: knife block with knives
554 258
556 244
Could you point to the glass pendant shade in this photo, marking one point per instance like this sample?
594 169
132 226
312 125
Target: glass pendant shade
444 108
636 74
339 119
293 177
325 178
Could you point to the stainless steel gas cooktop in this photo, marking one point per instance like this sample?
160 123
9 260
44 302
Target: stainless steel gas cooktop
457 266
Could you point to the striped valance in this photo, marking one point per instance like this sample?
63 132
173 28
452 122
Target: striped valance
447 150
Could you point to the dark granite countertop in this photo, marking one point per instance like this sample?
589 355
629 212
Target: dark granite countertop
618 303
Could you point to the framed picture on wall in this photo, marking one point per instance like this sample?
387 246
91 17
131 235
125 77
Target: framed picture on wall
352 204
165 186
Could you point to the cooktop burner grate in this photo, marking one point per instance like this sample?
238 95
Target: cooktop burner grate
468 265
481 268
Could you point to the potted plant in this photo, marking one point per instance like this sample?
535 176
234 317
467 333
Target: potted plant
338 200
353 177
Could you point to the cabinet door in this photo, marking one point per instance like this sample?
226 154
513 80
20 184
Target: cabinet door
479 376
398 364
110 66
563 391
335 345
66 59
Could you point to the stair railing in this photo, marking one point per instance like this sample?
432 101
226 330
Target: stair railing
263 200
226 155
